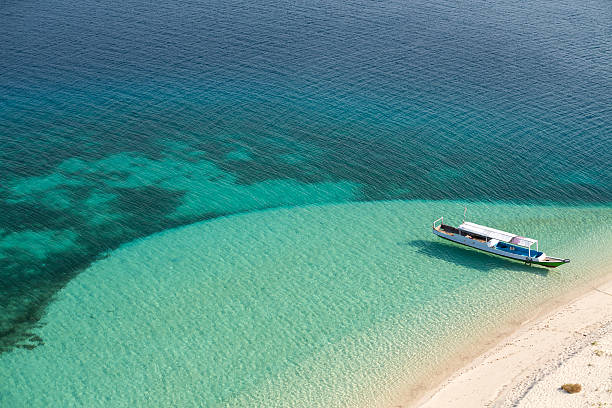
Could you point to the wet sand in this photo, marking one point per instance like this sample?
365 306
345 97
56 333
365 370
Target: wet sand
570 344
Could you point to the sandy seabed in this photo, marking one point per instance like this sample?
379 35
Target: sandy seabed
572 344
318 306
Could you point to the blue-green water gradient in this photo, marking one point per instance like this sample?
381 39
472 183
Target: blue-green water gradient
121 120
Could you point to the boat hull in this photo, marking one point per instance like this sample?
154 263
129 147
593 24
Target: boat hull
463 240
549 264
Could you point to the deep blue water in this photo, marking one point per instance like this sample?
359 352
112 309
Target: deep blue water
120 119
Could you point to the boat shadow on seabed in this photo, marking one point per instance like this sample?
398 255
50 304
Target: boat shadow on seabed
469 258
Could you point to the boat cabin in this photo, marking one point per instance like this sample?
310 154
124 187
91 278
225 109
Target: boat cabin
502 240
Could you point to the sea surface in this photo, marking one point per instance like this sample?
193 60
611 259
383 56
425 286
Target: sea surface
228 203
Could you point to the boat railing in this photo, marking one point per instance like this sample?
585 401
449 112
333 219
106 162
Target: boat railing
441 219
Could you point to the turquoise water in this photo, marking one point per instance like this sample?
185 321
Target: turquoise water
121 121
319 306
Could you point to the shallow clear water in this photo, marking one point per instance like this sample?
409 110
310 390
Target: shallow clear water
320 306
118 121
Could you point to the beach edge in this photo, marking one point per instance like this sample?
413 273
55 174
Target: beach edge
479 376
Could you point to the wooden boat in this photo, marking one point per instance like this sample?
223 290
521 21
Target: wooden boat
496 242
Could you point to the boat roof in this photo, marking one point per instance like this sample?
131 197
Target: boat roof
496 234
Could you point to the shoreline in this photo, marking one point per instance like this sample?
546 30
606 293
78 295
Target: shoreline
498 370
155 303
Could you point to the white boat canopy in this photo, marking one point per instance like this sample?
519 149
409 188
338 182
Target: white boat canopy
493 233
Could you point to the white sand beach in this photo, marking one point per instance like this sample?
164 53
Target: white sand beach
572 344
